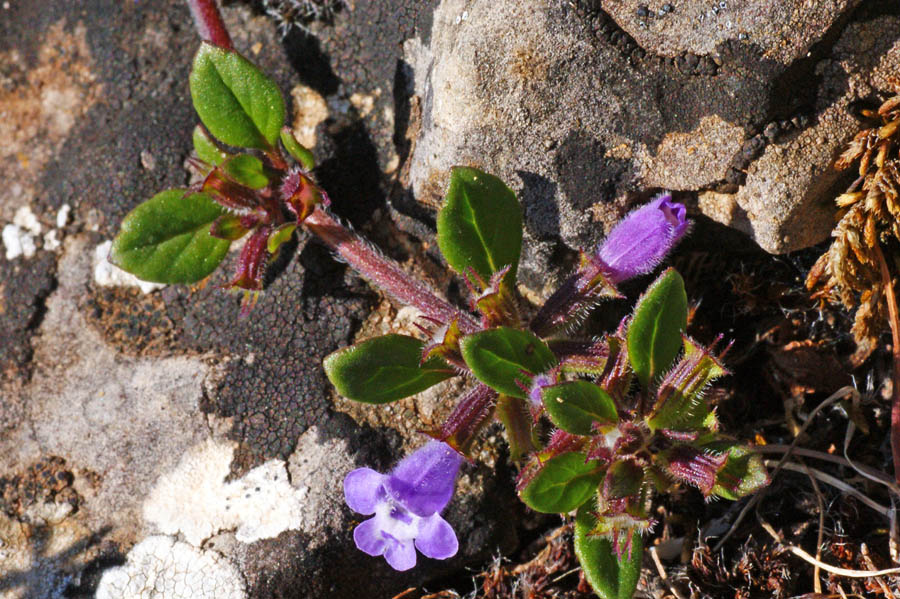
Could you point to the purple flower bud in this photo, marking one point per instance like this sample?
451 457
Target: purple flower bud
643 238
407 505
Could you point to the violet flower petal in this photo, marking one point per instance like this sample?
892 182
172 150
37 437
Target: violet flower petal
362 489
368 538
436 538
643 238
423 481
400 555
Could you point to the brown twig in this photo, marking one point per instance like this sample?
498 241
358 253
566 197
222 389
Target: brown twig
894 320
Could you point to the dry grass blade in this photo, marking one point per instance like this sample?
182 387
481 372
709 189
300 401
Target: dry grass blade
834 397
825 566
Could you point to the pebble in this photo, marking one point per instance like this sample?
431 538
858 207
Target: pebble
643 11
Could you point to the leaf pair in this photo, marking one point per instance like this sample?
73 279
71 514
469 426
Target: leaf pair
167 238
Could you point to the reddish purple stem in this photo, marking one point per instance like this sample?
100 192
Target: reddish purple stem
209 24
384 273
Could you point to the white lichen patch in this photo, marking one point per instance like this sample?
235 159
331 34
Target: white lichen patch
26 220
195 501
18 242
110 275
62 217
160 567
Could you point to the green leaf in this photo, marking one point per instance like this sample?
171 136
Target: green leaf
300 153
206 147
480 225
228 226
247 170
743 472
562 484
654 334
576 405
384 369
280 236
166 239
500 357
236 101
611 577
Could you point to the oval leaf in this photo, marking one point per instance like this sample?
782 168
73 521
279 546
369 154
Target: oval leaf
166 239
206 147
300 153
384 369
237 102
502 358
611 577
654 334
576 405
246 170
480 225
562 484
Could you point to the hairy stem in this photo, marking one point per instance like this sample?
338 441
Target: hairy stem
384 273
209 24
473 410
513 412
574 299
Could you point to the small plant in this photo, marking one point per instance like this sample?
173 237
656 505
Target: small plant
598 424
869 223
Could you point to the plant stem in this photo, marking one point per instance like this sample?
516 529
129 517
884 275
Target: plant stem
513 412
473 410
209 24
384 273
894 320
574 299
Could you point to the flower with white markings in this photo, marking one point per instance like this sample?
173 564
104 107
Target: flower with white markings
407 505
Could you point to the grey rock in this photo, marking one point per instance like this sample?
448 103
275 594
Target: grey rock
579 109
789 190
784 31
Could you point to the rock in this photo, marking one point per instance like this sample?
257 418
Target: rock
784 31
789 190
161 567
583 107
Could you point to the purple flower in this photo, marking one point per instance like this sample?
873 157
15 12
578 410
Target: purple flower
407 505
643 238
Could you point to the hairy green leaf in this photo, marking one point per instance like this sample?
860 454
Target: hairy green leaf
480 225
503 358
574 406
384 369
238 103
611 576
654 334
166 239
562 484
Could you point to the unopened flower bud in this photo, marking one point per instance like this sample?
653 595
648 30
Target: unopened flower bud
643 238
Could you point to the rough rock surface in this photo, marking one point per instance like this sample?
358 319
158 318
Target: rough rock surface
584 106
